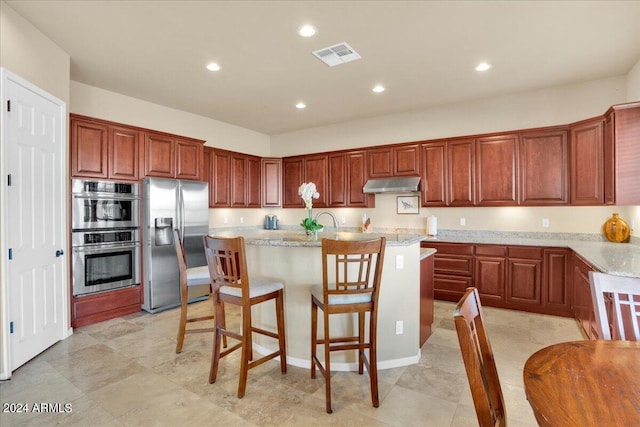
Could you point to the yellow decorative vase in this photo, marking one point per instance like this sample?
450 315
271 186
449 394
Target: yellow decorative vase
616 229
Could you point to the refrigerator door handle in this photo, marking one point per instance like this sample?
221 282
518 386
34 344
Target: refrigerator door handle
181 211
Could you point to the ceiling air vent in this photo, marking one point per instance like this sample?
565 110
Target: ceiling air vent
337 54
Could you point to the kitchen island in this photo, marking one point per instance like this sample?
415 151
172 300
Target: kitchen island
296 260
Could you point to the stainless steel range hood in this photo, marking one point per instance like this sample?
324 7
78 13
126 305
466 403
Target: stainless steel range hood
392 185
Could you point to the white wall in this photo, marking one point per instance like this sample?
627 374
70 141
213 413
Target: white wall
633 83
95 102
544 107
26 52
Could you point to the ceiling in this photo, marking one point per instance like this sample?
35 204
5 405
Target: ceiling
423 52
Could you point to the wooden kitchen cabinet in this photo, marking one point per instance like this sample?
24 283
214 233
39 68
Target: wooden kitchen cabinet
461 172
434 174
524 276
544 171
347 176
497 170
489 272
582 302
220 191
557 281
301 169
254 182
622 155
293 177
587 162
168 156
94 308
238 180
103 150
426 296
453 270
271 169
390 161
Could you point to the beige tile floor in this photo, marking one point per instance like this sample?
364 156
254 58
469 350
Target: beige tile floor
125 372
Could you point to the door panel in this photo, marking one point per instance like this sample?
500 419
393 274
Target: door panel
38 290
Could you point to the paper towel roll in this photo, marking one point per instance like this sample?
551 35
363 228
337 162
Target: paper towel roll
432 225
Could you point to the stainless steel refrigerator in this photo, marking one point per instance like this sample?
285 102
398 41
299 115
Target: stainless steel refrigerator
169 204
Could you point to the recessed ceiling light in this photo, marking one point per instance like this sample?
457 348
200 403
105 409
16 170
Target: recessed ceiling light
378 88
212 66
301 105
483 66
307 31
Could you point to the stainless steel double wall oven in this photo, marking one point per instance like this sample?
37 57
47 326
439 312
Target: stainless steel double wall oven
105 235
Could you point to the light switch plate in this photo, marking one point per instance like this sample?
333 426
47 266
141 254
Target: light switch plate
399 262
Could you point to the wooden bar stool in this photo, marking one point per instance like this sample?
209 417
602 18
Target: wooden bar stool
231 285
195 276
353 290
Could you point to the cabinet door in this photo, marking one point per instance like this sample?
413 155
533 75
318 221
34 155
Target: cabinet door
253 182
543 168
380 162
582 302
556 278
89 149
406 160
489 273
338 180
207 170
496 170
434 167
461 172
587 153
356 178
188 160
221 165
316 170
271 182
609 164
627 154
159 156
123 153
293 177
238 180
524 280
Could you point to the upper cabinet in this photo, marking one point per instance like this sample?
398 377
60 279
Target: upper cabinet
497 170
448 173
347 176
587 162
300 169
271 170
168 156
316 171
401 160
544 176
622 155
234 179
103 150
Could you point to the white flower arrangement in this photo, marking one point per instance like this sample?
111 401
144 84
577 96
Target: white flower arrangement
308 192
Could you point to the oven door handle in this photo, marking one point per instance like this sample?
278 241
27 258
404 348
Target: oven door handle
104 196
105 248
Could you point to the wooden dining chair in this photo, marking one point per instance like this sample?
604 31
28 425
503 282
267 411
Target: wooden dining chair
479 362
195 276
231 284
355 288
619 296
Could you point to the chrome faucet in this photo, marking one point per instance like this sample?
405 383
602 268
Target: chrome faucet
333 217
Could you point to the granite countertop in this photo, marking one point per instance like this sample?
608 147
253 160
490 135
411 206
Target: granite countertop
298 238
620 259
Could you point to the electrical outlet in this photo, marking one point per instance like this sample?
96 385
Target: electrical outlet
399 262
463 221
241 220
399 327
225 220
545 222
343 220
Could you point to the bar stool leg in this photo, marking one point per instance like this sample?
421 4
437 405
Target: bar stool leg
314 337
281 337
327 362
373 359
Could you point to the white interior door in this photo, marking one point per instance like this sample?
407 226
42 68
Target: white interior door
36 287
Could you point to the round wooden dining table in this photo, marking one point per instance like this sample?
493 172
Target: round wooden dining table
585 383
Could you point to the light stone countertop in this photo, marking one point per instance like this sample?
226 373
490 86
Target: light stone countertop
620 259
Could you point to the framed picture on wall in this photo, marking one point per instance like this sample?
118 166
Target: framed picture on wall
408 205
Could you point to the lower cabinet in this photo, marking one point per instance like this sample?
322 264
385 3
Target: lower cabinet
526 278
582 302
426 298
95 308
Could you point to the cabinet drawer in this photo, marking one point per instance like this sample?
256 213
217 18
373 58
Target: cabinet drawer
454 264
452 248
445 282
491 250
525 252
